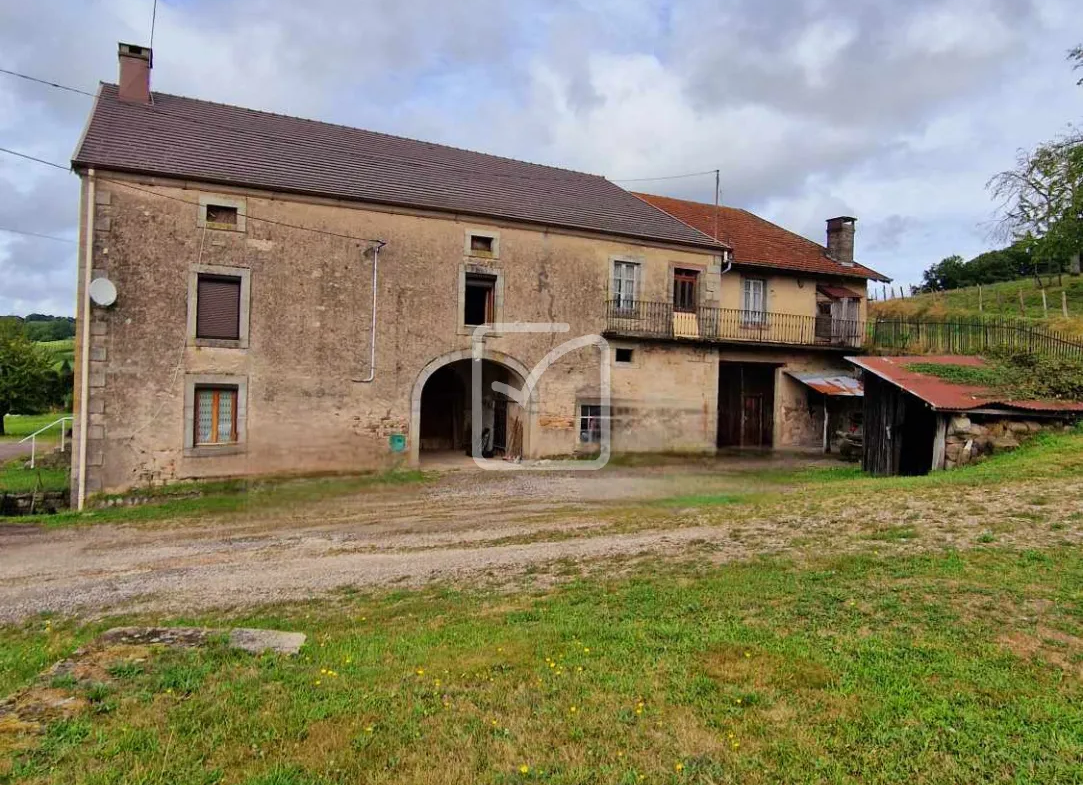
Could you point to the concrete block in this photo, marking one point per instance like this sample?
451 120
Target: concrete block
260 641
103 197
98 353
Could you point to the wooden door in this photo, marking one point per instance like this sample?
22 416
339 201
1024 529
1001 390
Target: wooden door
684 290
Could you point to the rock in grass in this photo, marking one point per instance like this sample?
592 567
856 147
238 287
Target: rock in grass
259 641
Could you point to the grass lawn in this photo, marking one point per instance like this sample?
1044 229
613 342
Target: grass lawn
951 667
999 299
16 479
16 426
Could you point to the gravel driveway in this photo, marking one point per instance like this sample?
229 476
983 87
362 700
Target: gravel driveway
479 524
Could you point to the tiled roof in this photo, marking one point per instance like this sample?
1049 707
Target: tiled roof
757 242
944 395
218 143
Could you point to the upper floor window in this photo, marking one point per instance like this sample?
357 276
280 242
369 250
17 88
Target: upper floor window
754 301
685 284
221 211
218 307
625 280
479 305
484 244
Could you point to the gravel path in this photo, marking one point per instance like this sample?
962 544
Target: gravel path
468 525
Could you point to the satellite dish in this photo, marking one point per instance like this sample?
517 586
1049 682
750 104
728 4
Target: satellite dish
103 292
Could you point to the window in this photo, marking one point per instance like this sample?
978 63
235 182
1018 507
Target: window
480 301
684 290
590 423
625 277
215 415
623 355
754 301
480 245
221 216
218 307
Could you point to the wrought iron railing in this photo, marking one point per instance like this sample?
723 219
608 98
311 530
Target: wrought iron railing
642 319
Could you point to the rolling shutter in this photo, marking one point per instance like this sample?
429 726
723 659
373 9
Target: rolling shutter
218 308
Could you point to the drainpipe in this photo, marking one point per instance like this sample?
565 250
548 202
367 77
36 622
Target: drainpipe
372 329
84 312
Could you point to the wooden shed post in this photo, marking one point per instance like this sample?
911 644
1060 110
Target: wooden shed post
940 441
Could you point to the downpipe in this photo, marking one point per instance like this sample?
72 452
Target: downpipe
84 360
372 328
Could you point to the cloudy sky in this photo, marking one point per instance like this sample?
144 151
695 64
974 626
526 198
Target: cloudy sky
895 112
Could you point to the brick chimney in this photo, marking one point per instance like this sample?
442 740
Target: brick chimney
135 64
840 239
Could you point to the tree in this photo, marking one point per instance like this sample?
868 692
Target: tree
1041 200
25 373
1077 56
945 274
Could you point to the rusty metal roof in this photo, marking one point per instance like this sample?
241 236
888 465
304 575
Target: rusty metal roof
217 143
838 292
943 395
836 384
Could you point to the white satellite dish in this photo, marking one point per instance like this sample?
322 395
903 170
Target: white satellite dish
103 292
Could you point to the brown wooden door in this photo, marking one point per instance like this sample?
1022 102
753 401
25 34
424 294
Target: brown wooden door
684 290
746 402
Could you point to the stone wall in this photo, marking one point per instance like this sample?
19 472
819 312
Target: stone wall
969 439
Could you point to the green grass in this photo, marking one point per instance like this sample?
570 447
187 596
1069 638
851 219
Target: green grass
14 478
16 426
919 669
1001 299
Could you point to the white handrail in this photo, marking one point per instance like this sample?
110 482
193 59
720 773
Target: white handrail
33 438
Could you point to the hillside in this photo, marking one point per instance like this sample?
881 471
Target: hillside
1000 299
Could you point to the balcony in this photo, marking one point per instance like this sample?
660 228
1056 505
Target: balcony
663 321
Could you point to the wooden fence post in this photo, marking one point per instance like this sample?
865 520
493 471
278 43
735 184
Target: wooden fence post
981 302
1064 303
1045 305
1022 308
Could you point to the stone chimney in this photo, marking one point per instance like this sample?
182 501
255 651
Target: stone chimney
840 239
135 64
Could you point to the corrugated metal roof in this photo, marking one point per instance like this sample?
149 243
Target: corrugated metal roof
217 143
944 395
836 384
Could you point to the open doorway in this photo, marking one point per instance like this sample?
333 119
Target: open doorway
746 405
446 425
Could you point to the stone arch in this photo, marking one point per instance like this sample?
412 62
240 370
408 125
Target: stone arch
500 358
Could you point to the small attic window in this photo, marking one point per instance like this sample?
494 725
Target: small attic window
221 216
481 245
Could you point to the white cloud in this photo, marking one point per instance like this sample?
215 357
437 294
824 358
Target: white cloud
895 112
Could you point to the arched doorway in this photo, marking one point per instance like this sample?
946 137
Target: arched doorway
442 414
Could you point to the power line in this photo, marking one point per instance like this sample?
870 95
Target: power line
29 78
32 158
35 234
196 204
153 19
667 177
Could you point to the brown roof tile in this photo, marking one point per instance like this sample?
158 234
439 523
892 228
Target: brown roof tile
218 143
757 242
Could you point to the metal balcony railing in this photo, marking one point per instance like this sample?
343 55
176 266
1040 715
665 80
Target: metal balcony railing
642 319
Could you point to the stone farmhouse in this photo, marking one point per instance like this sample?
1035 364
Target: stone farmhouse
286 296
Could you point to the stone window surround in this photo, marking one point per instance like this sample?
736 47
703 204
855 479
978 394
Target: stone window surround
633 363
701 280
223 201
498 295
494 236
245 274
193 380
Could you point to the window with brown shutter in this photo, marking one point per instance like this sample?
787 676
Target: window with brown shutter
218 307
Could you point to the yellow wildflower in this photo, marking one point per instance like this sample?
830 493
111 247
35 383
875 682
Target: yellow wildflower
679 768
420 671
524 769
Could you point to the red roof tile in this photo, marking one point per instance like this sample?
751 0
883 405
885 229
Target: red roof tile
944 395
757 242
218 143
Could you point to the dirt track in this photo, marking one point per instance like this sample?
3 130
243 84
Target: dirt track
481 525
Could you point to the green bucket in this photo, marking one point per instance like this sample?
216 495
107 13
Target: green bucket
397 441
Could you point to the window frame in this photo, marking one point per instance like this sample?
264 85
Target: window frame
239 203
624 302
484 281
216 392
494 271
690 276
220 271
751 317
468 244
590 423
195 382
